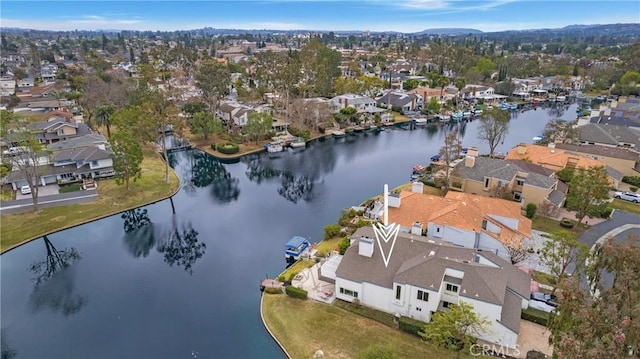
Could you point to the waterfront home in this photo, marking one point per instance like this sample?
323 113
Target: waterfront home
463 219
360 103
406 101
427 93
498 178
624 160
556 159
609 136
471 92
424 275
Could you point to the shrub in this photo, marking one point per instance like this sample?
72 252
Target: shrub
228 148
297 132
411 326
535 315
531 210
604 212
633 189
565 175
213 146
331 230
272 290
344 245
567 223
632 180
281 278
70 188
363 223
296 292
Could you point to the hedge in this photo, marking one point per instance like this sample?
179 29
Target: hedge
411 326
213 146
567 223
632 180
531 210
228 148
296 292
272 290
535 316
70 188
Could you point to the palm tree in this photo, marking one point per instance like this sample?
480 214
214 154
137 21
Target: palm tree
103 117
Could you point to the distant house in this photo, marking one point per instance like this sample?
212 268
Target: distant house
504 179
406 101
471 92
609 136
7 86
556 159
360 103
424 276
58 129
427 93
626 161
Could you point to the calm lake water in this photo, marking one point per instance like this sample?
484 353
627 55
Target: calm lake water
153 284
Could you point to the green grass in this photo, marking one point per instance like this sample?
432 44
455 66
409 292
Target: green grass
625 206
304 326
328 245
112 199
296 268
536 316
6 195
378 316
550 225
543 278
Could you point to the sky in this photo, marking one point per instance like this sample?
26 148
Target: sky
330 15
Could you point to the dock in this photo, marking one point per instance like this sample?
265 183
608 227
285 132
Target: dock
270 283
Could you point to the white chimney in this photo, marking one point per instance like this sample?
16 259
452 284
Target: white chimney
469 161
386 204
393 200
473 151
551 145
365 247
416 229
417 187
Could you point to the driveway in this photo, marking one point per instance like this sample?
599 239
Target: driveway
618 219
48 190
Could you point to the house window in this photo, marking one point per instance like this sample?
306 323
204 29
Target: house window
519 182
423 296
398 292
349 292
445 304
437 229
517 196
452 288
500 183
486 183
484 224
94 163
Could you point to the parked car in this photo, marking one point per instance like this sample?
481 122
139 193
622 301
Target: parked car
548 299
14 151
25 190
628 196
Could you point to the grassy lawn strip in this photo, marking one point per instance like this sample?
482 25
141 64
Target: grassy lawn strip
625 206
298 266
304 326
21 227
327 245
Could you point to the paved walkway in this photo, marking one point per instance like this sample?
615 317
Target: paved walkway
564 213
316 289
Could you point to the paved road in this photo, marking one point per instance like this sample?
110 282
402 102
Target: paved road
63 199
617 220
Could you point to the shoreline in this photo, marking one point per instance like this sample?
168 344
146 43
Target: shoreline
93 219
284 350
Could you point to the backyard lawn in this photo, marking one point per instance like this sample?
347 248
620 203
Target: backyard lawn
112 198
304 326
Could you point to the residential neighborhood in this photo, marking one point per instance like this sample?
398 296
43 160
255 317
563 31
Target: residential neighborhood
193 155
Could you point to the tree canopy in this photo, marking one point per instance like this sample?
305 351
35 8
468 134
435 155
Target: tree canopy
588 191
493 128
127 157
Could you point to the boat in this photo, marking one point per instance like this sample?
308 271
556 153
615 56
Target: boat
420 121
537 138
435 158
457 116
295 248
298 142
466 114
358 128
504 105
513 106
274 147
561 98
338 134
477 112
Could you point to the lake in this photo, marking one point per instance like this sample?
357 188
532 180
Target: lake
149 283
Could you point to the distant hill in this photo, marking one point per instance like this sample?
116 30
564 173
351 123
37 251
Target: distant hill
448 31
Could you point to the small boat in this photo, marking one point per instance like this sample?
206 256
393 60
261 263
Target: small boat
513 106
478 112
420 121
298 142
338 134
445 118
274 147
504 105
358 128
435 158
561 98
457 116
466 114
295 248
537 138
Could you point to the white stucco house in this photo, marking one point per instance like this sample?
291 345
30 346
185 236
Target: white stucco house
425 275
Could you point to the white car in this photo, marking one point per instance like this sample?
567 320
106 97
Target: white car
25 189
628 196
14 151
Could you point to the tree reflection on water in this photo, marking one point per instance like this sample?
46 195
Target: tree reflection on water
181 247
54 281
207 171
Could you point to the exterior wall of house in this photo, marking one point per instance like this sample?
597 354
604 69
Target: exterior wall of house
420 309
536 195
458 236
623 166
493 228
68 130
106 162
496 332
486 242
380 298
343 284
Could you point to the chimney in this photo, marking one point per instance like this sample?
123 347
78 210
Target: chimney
551 145
394 200
473 152
413 103
416 229
417 187
346 102
521 149
469 161
365 247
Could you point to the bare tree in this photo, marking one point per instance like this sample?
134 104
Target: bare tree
31 162
494 126
448 153
516 248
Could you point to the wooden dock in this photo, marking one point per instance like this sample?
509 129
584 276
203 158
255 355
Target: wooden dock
270 283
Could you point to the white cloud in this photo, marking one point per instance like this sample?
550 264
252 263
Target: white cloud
424 4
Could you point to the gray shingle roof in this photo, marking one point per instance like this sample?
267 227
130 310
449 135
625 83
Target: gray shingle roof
613 173
614 152
501 169
609 134
511 308
78 142
81 154
422 263
556 197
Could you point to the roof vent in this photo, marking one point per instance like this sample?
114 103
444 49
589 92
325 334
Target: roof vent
432 253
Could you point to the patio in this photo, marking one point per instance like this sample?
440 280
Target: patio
317 289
